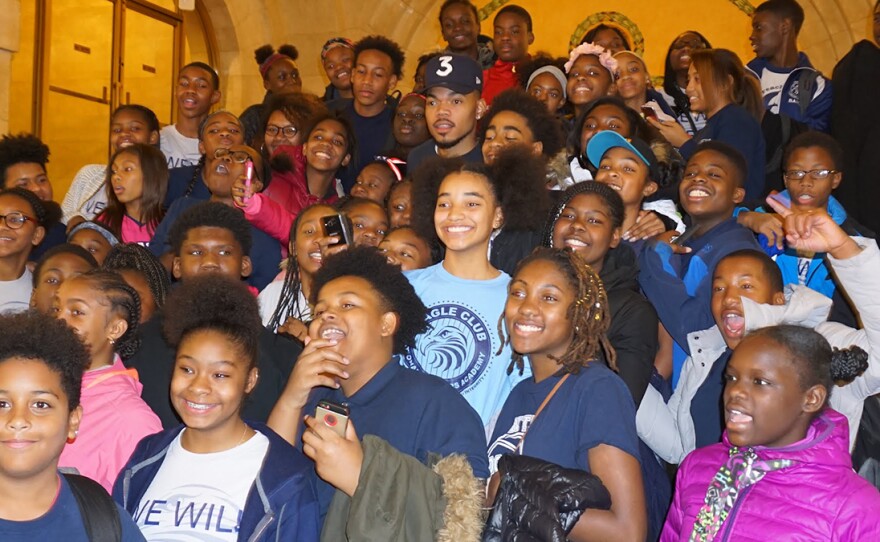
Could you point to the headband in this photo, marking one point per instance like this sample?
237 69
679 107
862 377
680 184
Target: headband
605 58
416 94
394 164
333 43
552 70
264 67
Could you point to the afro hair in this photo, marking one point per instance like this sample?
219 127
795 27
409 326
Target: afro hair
384 45
545 127
262 53
21 148
217 303
517 180
36 336
388 281
211 214
610 198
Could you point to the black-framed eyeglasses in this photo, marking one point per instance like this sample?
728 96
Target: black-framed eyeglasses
239 157
15 221
287 131
815 174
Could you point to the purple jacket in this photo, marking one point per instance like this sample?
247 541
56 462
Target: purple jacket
818 498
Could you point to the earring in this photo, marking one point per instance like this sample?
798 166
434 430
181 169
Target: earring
112 340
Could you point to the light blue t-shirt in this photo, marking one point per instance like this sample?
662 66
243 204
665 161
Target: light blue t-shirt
462 343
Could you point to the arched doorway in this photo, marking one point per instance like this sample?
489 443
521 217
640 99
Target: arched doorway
80 59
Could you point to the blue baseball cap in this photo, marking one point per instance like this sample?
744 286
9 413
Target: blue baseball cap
603 141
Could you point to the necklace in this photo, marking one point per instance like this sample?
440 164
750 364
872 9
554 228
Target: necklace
243 433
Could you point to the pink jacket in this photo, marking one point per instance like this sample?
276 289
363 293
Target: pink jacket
275 209
818 498
114 420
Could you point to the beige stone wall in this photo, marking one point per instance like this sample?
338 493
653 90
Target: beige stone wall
831 28
240 26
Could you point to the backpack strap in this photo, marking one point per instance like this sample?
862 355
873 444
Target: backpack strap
774 164
98 510
806 88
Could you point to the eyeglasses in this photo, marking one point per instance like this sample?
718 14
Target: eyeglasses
239 157
815 174
15 221
287 131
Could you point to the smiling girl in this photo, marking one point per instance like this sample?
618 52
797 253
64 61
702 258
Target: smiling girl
238 479
590 70
574 411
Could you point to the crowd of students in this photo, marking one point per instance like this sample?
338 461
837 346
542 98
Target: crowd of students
534 298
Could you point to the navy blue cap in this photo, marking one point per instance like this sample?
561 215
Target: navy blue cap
458 73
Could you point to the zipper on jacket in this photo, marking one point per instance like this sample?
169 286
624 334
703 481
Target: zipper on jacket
262 526
730 518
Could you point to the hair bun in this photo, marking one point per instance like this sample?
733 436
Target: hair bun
848 363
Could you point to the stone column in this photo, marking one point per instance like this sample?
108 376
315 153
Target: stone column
10 22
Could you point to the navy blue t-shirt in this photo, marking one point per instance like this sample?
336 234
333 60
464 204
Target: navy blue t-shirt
265 250
738 128
591 408
706 407
417 413
179 179
62 522
373 136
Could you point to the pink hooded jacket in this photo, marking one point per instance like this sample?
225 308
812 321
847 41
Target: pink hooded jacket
817 498
114 420
275 209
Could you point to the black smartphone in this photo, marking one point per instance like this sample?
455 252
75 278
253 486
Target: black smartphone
333 415
688 233
648 111
338 226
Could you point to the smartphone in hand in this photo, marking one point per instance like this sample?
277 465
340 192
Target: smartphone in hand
333 415
338 226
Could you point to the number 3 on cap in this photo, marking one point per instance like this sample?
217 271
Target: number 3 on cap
445 66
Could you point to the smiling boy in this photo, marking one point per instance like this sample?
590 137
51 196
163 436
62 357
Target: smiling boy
198 89
676 278
41 368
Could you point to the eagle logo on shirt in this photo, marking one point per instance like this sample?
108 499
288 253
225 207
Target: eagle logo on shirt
457 346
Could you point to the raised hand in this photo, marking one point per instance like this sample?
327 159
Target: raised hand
813 230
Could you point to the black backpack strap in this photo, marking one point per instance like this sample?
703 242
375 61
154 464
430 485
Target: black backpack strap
774 164
806 87
97 508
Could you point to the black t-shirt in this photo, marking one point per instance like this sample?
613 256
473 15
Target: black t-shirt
429 148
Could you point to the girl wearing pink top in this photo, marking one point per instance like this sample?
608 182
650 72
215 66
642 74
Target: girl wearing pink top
137 180
104 311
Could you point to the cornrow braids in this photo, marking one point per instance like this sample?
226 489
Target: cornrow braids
135 257
289 300
589 314
124 301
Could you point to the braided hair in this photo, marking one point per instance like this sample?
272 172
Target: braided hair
137 258
289 300
589 315
124 302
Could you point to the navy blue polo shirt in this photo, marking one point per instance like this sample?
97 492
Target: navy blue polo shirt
417 413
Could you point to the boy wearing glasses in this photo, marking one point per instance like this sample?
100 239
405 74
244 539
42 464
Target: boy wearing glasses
21 229
811 171
221 170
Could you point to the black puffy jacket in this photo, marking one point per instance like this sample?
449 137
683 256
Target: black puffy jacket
539 501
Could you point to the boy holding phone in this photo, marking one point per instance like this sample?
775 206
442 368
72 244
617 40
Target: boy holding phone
365 312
